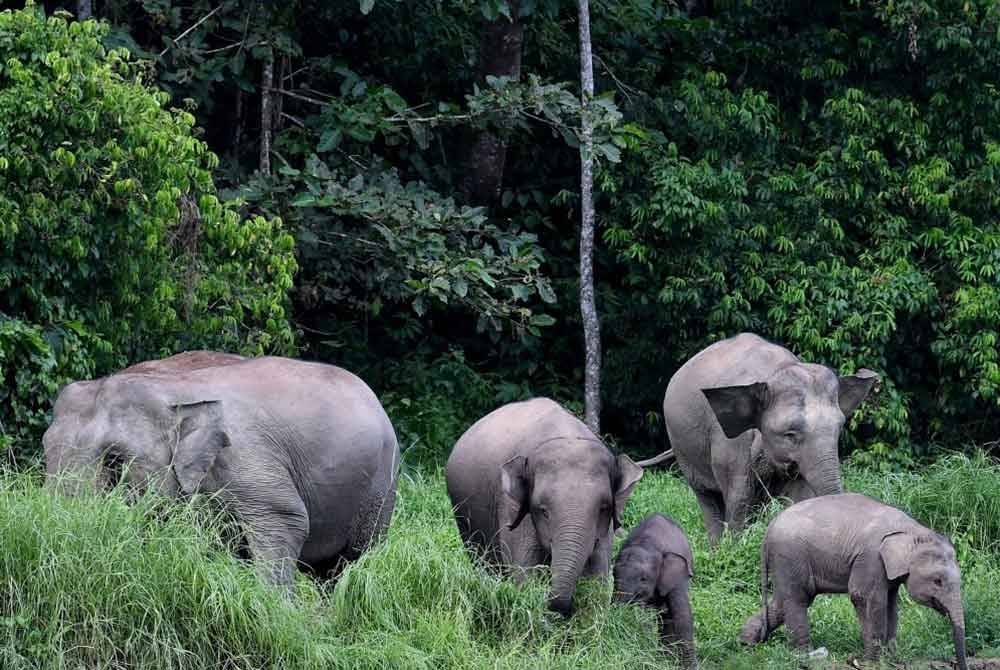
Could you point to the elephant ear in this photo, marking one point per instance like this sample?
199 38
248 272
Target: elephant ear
516 485
738 408
896 550
200 438
684 553
627 474
855 388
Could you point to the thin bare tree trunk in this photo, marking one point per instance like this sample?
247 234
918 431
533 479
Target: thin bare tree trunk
588 308
266 114
84 9
499 56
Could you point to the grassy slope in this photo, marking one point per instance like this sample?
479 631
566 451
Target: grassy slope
96 583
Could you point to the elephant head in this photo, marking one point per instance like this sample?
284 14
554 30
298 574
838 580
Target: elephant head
926 561
575 495
131 430
799 412
646 575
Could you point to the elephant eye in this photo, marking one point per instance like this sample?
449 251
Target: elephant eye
938 581
791 435
544 511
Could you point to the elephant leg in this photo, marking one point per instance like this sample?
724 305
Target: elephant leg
371 522
737 501
677 626
275 534
711 510
520 551
871 604
892 618
797 621
871 611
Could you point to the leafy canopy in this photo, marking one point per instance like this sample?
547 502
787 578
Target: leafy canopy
113 244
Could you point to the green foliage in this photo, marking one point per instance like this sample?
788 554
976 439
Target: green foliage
113 244
370 242
96 583
845 206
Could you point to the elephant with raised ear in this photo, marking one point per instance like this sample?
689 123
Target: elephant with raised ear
748 420
532 485
303 453
654 568
850 543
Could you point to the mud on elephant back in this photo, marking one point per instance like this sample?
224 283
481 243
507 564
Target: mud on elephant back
302 453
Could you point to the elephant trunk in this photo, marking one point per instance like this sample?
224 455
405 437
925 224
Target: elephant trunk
75 480
823 474
956 616
571 547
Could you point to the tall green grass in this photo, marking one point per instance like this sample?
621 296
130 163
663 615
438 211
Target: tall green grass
96 583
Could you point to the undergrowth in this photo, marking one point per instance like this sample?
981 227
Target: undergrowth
97 583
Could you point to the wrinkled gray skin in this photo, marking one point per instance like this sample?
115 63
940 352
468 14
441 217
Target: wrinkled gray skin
303 453
532 485
655 567
850 543
746 418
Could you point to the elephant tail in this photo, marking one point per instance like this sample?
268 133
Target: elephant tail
665 457
763 586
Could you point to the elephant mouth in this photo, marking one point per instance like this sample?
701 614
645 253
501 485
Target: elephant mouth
113 468
792 470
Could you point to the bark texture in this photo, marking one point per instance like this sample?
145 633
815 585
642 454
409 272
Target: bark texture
266 114
84 9
588 308
499 56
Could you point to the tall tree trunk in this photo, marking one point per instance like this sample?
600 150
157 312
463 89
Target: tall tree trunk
266 114
84 9
588 309
499 56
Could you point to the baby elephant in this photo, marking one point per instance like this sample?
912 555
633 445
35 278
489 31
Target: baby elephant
850 543
654 567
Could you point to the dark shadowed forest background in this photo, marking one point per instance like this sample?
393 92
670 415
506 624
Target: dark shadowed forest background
393 187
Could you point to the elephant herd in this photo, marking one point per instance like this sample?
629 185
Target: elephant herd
306 457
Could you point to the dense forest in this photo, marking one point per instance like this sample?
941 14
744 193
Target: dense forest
403 188
394 187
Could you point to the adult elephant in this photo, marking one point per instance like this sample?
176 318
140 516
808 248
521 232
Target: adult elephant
303 453
747 419
531 485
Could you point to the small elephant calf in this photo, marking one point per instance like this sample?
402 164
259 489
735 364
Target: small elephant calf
654 567
850 543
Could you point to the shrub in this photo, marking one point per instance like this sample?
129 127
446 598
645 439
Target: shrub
113 244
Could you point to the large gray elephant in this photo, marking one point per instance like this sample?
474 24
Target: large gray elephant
747 419
532 485
303 453
850 543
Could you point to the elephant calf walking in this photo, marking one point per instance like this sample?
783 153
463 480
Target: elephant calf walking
532 485
850 543
655 567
